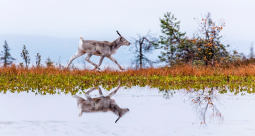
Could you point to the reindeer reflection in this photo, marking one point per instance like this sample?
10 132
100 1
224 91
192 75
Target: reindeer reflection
203 101
101 103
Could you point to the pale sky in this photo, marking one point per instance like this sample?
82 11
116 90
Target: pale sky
52 27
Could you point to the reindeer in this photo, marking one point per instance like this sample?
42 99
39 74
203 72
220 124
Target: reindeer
101 103
99 48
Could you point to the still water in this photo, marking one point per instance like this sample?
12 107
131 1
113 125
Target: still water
151 112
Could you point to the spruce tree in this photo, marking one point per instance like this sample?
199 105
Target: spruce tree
6 58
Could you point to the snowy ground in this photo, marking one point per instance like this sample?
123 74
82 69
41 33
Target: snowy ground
25 114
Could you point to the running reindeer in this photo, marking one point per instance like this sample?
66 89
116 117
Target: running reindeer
99 48
101 103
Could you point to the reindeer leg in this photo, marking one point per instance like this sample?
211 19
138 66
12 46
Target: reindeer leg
76 55
115 61
87 94
100 61
87 59
114 92
100 92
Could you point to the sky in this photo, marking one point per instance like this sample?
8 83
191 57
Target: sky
52 27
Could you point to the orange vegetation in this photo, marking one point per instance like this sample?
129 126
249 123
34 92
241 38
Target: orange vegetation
180 70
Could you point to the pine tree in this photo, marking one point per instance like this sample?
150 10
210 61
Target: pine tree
6 55
170 39
25 55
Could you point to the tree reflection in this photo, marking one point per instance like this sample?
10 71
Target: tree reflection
204 102
167 94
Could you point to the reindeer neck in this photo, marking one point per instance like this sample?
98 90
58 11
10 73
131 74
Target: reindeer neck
114 43
115 46
116 109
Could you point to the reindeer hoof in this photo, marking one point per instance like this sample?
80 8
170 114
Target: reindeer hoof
99 70
96 68
122 69
66 68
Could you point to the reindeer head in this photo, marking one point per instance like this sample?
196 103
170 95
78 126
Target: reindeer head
122 40
122 113
117 110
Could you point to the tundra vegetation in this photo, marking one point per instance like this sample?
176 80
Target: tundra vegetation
197 63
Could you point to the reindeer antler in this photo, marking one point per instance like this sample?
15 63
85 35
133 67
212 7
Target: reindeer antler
117 120
118 33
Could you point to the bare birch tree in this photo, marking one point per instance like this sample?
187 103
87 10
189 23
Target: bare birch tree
143 45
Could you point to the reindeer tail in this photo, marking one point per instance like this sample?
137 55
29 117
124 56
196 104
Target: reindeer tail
81 37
